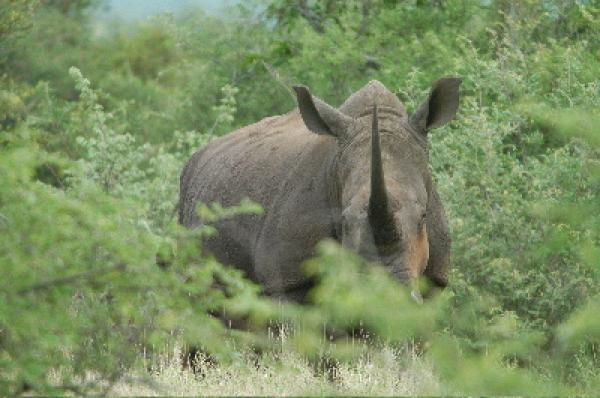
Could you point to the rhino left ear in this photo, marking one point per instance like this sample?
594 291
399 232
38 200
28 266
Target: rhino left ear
440 107
320 117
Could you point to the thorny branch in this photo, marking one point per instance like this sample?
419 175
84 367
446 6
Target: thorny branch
277 77
72 278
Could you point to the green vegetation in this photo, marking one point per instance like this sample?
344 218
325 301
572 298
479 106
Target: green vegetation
96 126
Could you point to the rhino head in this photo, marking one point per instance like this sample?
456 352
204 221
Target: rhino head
382 181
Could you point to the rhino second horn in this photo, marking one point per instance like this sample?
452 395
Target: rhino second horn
380 218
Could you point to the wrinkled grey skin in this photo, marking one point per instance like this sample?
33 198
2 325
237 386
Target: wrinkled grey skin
358 175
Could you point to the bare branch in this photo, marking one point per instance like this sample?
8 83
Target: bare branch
72 278
364 22
277 77
313 19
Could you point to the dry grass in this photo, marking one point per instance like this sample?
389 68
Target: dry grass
384 371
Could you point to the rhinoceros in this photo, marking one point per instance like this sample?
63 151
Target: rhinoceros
358 174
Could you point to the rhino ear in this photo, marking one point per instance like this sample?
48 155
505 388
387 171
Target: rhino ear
320 117
440 107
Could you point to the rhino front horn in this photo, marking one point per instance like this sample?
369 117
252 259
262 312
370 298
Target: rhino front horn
382 222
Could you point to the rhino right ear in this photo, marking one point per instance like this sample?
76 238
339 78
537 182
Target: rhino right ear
440 107
320 117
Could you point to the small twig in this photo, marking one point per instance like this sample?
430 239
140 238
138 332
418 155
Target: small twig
72 278
112 381
371 62
71 388
55 175
4 219
145 381
364 22
277 77
213 127
174 211
314 20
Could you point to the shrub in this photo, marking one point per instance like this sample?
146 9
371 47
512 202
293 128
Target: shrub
90 174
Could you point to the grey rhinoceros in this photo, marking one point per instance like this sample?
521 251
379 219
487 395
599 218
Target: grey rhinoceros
358 174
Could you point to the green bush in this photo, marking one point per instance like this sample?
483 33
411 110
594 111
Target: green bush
95 128
82 293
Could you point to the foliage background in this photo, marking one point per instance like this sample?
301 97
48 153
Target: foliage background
95 128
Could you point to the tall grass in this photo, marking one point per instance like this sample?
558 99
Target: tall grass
383 371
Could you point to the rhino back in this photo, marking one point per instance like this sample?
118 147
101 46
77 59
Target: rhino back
276 162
